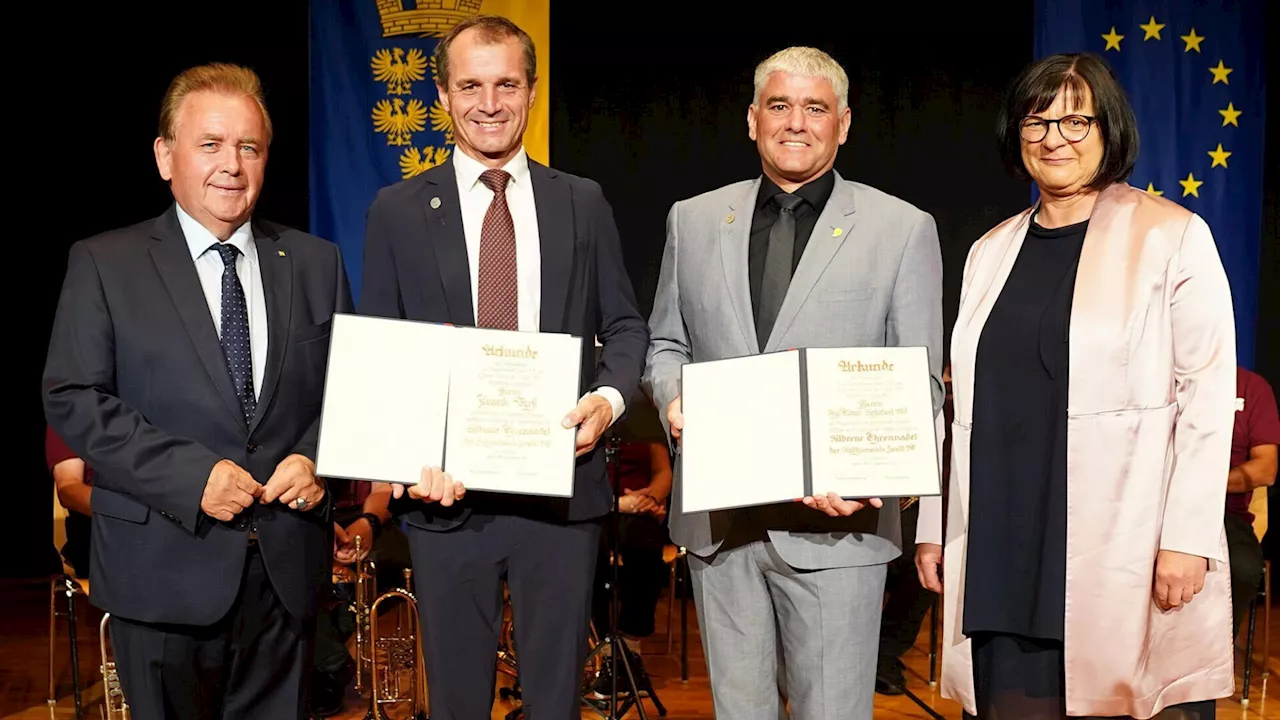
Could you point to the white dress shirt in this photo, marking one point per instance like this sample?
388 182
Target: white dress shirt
475 198
209 267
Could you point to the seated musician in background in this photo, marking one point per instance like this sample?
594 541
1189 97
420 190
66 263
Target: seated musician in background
72 479
360 511
906 600
643 472
1253 465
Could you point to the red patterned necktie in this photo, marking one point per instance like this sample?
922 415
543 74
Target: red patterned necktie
497 298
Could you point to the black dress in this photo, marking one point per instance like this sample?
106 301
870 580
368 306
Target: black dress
1015 573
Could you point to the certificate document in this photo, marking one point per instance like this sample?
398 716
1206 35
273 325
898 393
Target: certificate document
508 393
777 427
484 405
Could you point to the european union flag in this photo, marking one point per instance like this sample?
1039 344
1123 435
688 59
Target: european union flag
1194 71
375 115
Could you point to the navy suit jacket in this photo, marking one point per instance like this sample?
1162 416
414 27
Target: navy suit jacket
136 384
415 267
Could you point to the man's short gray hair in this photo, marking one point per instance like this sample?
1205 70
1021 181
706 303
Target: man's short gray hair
806 62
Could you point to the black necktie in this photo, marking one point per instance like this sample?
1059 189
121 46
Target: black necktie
235 331
777 265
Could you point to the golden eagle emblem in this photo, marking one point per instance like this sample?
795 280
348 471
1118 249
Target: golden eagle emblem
399 120
441 122
415 162
398 70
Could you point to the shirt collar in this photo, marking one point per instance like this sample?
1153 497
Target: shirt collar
815 192
469 170
199 239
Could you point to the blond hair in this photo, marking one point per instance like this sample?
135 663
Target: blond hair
223 78
806 62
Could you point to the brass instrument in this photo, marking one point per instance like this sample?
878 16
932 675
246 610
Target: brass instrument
114 706
397 673
366 593
507 660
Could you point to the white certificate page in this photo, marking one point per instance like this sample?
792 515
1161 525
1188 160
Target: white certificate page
742 441
871 422
508 395
385 399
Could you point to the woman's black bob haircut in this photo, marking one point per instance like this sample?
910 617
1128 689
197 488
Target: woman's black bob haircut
1038 86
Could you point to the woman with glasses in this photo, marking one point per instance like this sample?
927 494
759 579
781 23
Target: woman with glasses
1093 366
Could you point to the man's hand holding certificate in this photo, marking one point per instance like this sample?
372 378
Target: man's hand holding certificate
839 428
439 410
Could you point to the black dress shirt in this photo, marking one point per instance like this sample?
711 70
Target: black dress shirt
815 194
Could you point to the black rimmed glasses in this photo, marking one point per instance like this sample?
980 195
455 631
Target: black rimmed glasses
1073 128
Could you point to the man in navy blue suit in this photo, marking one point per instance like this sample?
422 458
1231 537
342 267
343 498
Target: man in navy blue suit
185 367
493 239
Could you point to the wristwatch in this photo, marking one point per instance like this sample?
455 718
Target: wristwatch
375 522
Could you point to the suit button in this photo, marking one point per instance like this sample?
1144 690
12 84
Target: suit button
252 449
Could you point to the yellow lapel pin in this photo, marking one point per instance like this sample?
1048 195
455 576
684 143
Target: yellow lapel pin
837 232
280 253
729 219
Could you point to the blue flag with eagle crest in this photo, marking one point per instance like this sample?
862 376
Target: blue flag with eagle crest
1194 72
376 117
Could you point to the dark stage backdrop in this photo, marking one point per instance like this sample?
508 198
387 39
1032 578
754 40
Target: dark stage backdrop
650 103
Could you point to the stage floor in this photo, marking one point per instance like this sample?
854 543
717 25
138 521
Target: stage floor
24 654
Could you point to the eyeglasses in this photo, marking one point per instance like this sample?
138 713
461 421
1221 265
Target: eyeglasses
1073 128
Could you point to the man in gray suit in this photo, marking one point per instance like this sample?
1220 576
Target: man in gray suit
789 596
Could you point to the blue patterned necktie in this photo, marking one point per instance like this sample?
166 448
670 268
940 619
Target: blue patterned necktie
235 331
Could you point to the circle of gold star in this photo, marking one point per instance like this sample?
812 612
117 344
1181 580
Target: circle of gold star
1191 186
1219 156
1152 29
1230 116
1220 74
1113 40
1192 41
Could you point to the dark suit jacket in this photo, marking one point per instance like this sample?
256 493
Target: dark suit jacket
415 267
136 384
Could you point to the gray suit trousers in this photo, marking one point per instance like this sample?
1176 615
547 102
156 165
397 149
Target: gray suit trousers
760 617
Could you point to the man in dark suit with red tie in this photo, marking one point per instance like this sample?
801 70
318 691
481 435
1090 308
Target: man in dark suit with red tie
493 239
185 367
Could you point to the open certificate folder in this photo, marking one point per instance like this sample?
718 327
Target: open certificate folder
484 405
781 426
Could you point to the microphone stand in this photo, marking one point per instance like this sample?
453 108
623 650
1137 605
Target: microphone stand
618 651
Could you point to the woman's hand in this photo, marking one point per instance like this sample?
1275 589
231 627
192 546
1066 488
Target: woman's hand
929 566
1178 578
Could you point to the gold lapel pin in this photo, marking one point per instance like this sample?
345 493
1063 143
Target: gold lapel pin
729 219
435 203
280 253
837 232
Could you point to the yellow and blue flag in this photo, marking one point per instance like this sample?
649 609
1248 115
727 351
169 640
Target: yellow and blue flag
1195 73
376 117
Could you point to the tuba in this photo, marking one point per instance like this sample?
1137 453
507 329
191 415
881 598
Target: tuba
397 673
114 706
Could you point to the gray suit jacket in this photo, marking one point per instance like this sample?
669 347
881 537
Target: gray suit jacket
871 275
